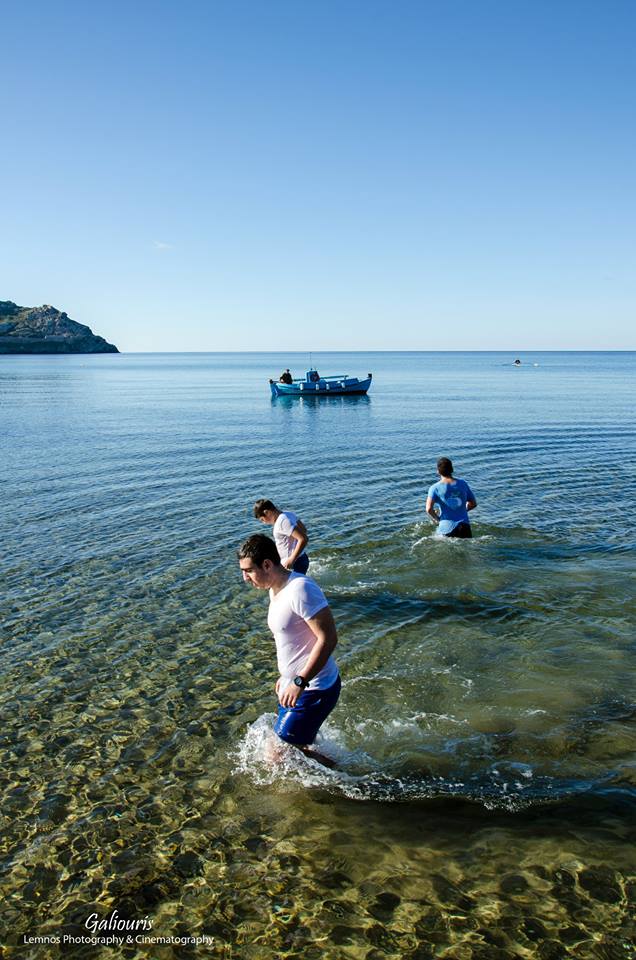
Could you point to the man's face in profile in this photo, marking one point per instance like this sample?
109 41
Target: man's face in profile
259 577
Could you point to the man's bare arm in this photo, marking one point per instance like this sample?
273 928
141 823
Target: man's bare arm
430 510
324 629
299 533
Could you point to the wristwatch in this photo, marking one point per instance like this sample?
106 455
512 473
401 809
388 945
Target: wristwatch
301 682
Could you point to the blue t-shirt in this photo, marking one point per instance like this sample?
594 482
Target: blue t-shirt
451 499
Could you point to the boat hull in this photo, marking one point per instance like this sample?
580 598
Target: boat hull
323 388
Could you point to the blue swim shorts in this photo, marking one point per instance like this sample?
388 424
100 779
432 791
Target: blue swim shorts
302 564
300 724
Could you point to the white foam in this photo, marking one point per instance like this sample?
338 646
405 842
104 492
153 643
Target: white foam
430 536
397 726
389 728
270 762
369 676
267 760
360 586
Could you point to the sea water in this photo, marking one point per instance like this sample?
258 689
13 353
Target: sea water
483 800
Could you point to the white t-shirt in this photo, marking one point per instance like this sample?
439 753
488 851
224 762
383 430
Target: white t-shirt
299 600
285 523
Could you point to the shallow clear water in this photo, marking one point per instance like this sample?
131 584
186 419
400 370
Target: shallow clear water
484 800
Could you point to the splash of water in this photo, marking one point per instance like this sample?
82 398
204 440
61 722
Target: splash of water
509 786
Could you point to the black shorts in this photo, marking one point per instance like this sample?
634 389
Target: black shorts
302 564
462 531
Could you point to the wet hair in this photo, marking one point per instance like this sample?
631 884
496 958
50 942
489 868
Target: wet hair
259 548
445 467
261 507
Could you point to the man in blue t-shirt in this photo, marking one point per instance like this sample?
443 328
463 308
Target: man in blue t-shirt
449 501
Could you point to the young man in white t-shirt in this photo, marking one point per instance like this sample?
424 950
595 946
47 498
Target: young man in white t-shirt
289 532
305 633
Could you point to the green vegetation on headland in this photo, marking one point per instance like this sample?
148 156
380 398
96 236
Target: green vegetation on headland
46 330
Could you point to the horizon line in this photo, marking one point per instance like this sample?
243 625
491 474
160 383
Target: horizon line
388 350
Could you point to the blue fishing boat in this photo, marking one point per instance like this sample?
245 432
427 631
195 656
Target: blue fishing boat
315 385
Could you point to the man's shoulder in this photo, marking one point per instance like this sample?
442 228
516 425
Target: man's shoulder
286 518
434 488
300 582
304 587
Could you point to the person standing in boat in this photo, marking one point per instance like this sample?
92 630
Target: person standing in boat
449 501
290 534
286 377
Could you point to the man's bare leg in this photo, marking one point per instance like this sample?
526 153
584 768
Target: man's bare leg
274 751
320 757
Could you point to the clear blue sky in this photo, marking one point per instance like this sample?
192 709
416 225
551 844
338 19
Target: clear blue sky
323 175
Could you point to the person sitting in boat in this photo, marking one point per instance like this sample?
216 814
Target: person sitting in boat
286 377
314 376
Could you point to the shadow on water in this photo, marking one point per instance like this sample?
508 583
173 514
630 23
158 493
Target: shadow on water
396 608
578 801
463 820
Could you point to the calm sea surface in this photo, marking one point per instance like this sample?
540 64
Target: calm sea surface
485 797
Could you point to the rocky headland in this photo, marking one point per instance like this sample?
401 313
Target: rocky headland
46 330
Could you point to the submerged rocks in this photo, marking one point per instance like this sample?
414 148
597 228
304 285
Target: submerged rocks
188 864
46 330
384 905
600 883
513 884
54 808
